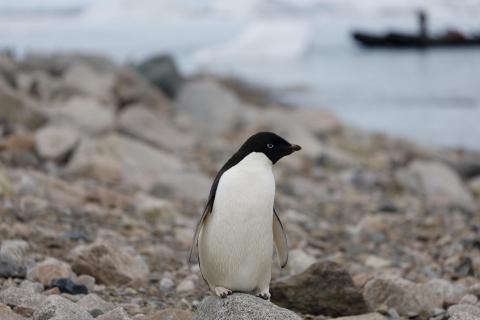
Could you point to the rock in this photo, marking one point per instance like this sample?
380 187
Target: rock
11 267
87 115
116 314
110 263
439 184
92 301
241 306
87 281
186 184
166 284
21 297
451 293
459 310
377 262
162 72
87 80
130 87
403 295
368 316
171 314
153 127
12 262
56 308
15 248
49 270
210 107
18 110
7 314
299 261
66 285
55 142
469 299
186 286
133 162
324 288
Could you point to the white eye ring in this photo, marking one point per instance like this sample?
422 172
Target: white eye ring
269 146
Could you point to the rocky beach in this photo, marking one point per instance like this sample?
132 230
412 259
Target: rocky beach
105 169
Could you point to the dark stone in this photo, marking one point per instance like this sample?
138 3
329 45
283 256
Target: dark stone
95 312
324 288
162 72
66 285
11 267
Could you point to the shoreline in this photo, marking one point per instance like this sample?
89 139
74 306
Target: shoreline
105 168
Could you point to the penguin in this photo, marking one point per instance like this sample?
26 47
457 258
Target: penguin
239 225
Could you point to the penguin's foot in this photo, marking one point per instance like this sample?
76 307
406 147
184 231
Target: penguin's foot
265 295
222 292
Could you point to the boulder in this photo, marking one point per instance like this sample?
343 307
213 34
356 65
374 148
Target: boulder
464 312
119 157
17 110
439 184
299 261
162 72
87 115
55 142
7 314
171 314
154 127
22 297
324 288
116 314
89 81
92 301
110 263
48 270
209 107
241 307
403 295
131 88
56 308
12 262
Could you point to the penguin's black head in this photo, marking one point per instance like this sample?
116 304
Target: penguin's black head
272 145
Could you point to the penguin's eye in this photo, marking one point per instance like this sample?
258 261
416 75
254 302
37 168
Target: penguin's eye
269 146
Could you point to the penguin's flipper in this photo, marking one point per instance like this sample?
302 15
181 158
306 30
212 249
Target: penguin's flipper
192 257
280 239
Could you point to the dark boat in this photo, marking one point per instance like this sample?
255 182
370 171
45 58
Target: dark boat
402 40
422 39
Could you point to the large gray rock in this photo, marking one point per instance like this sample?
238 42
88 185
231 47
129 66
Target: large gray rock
162 72
110 263
86 114
324 288
58 308
24 297
210 107
55 142
88 80
241 307
153 126
12 262
403 295
464 312
18 110
439 184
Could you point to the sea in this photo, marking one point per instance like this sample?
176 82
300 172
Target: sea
302 49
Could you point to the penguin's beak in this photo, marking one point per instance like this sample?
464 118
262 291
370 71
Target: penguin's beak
295 147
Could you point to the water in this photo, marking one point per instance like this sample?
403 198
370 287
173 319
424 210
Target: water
430 96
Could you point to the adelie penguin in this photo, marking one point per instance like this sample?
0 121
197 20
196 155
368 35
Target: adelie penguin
236 232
